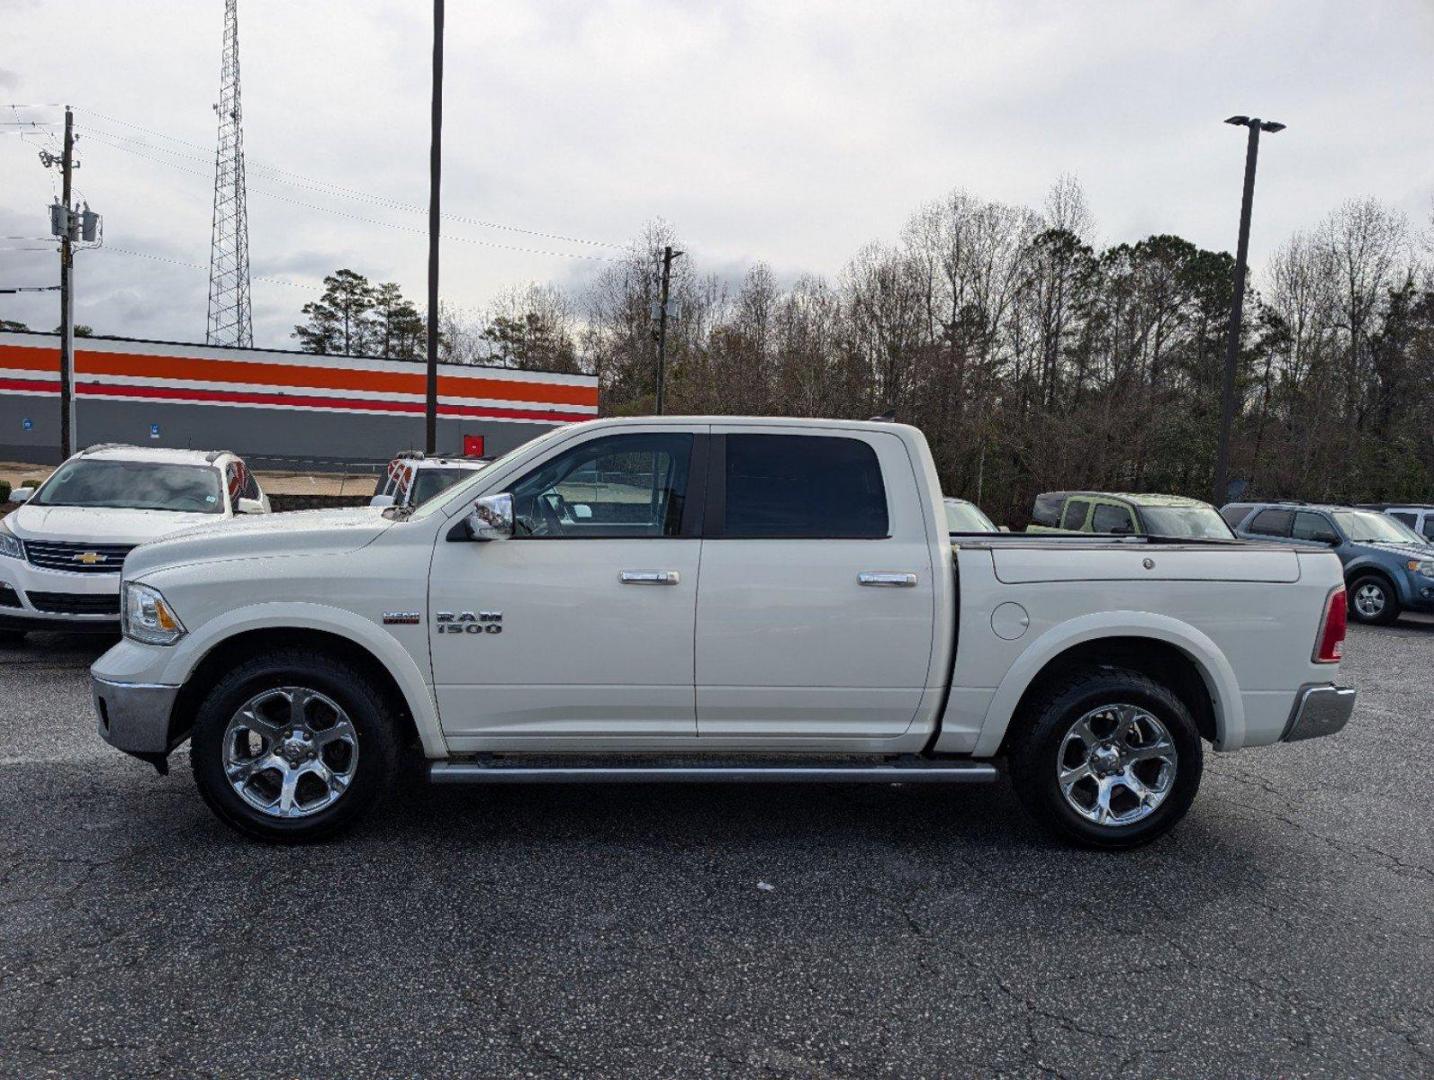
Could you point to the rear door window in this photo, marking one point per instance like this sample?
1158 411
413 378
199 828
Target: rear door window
1272 523
1428 529
802 487
1400 515
1075 515
1047 510
1234 514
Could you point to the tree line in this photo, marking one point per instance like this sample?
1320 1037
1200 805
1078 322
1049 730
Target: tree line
1031 357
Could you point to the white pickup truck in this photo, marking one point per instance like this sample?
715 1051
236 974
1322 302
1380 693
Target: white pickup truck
712 599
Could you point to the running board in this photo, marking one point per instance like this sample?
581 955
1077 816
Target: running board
476 772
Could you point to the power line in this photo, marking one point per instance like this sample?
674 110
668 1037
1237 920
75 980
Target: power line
329 187
357 217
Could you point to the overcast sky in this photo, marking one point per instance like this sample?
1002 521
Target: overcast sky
786 132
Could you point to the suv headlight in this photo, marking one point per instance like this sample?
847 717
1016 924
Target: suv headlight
145 615
1422 566
10 544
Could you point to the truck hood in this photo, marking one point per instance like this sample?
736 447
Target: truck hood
101 524
300 532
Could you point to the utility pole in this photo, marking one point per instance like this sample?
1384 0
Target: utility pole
67 294
667 256
1237 303
435 162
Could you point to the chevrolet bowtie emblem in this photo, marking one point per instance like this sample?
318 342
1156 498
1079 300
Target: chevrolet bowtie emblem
89 558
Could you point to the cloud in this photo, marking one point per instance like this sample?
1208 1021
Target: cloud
787 133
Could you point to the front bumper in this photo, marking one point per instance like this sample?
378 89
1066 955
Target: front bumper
136 717
1320 709
32 598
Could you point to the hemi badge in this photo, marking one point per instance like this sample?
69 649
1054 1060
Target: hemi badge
402 618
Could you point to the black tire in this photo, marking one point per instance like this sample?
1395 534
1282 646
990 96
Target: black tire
1036 746
349 688
1388 605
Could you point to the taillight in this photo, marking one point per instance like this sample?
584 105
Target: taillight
1329 646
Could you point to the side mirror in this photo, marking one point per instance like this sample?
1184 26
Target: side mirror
491 518
22 494
249 506
381 500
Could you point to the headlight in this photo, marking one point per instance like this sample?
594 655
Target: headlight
146 616
10 544
1422 566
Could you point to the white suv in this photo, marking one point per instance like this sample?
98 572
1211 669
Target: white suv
62 551
412 478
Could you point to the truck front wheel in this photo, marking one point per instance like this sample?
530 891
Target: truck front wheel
293 748
1108 758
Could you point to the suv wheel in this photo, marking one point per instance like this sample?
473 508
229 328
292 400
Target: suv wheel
1108 759
1373 600
293 748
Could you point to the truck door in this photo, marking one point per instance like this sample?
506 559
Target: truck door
582 624
815 608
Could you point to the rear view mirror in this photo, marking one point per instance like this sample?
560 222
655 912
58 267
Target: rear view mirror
491 518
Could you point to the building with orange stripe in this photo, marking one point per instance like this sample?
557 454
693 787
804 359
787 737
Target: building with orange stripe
270 406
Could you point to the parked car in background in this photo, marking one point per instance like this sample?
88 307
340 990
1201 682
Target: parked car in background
413 478
964 516
1418 516
62 550
1134 515
1388 568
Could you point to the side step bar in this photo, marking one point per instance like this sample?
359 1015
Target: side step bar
475 772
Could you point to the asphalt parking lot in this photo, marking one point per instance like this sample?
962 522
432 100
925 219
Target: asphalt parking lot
1287 927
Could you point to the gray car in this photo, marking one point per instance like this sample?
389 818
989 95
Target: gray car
1388 568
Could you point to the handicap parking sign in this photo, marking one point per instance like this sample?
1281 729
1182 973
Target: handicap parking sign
27 423
154 431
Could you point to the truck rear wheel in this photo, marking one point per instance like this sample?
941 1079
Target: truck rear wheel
1108 758
293 748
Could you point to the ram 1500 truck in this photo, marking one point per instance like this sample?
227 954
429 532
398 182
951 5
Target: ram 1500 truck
712 599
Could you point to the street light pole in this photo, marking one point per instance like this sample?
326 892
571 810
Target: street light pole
435 161
1237 302
667 256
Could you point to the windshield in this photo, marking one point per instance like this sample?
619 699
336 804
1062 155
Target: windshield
1362 527
965 517
433 482
1198 522
134 485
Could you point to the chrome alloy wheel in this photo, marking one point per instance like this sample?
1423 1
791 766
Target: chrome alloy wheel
1369 600
1116 765
290 752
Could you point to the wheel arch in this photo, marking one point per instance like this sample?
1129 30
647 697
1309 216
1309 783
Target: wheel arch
1172 653
243 635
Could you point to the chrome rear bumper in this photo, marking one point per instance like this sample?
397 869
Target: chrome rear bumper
1320 709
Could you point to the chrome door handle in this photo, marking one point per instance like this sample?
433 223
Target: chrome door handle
648 577
884 579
